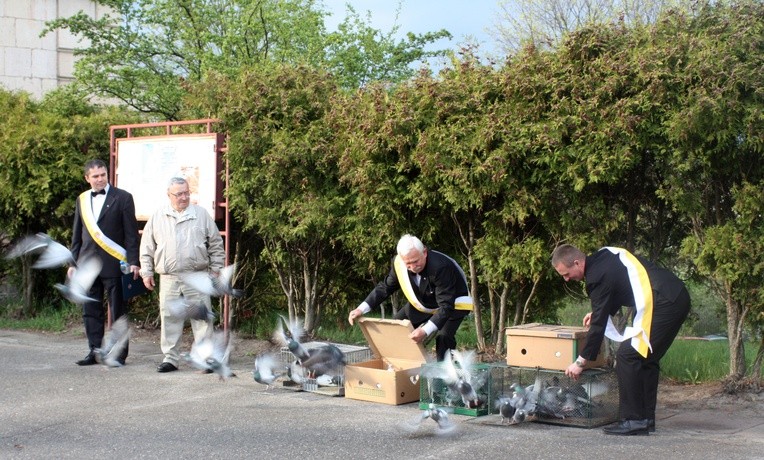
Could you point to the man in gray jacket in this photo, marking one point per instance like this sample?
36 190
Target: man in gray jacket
177 239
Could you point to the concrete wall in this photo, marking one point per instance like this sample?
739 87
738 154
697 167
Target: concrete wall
32 63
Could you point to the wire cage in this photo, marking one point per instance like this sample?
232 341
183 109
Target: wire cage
490 381
330 385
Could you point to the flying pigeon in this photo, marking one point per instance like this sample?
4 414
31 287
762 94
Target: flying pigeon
266 370
437 414
183 308
216 286
327 359
291 338
52 253
114 343
77 287
212 353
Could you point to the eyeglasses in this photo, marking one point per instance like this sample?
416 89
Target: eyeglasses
180 194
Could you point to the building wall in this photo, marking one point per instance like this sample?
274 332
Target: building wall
32 63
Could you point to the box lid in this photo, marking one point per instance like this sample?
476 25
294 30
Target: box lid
547 330
389 338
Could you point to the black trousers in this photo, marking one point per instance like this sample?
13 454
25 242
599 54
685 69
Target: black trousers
446 337
638 376
93 313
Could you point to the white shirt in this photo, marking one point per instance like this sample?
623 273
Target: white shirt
97 202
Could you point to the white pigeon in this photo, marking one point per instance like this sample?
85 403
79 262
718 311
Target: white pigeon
52 253
114 343
266 370
215 286
77 287
212 353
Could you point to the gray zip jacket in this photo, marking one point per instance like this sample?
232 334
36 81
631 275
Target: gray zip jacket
173 242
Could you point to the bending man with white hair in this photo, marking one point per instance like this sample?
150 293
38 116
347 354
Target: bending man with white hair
436 291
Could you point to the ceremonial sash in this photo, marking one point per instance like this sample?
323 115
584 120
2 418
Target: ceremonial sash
639 331
460 303
86 211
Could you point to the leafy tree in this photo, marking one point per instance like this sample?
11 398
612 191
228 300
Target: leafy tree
283 185
42 149
144 53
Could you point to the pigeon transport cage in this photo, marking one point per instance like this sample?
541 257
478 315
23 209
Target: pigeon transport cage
333 385
490 381
590 402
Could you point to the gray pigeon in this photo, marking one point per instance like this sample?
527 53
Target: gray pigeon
182 308
77 287
291 338
52 253
327 359
266 370
215 286
114 343
506 409
437 414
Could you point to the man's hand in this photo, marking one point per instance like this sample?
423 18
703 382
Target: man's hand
588 319
418 335
355 313
136 270
574 371
148 281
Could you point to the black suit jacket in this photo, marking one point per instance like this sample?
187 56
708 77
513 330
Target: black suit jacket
440 285
117 221
609 289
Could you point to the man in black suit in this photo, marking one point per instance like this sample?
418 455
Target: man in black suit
615 278
104 227
435 287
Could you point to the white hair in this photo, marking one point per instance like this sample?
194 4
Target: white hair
409 242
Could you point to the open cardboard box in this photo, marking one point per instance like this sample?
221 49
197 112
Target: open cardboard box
392 377
548 346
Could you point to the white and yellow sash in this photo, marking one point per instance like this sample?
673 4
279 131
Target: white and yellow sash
639 331
401 272
86 211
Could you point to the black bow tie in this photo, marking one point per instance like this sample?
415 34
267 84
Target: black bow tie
100 192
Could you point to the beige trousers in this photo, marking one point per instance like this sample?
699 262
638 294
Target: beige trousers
170 288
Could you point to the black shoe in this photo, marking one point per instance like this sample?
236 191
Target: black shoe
88 360
167 367
628 428
651 425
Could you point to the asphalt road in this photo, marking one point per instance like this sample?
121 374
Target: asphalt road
51 408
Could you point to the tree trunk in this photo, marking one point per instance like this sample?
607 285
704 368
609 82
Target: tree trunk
29 285
735 323
756 366
502 320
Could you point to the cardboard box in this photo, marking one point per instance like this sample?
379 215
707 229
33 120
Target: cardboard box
353 354
392 377
548 346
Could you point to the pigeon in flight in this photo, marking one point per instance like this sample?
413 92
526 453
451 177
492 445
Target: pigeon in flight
114 343
215 286
437 414
77 287
327 359
266 370
212 353
52 253
182 308
291 338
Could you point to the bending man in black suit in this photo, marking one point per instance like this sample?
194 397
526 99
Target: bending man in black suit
434 286
105 227
615 278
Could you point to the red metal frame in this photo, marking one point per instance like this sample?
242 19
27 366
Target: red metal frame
221 200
